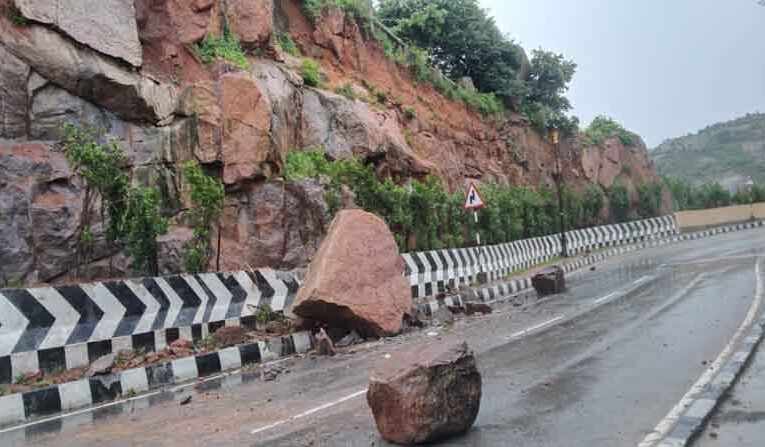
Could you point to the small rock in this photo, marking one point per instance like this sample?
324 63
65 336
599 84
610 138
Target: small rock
713 435
456 309
477 308
442 316
324 345
186 400
182 344
230 336
432 334
351 339
102 366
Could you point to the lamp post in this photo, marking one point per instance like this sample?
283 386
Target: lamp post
554 135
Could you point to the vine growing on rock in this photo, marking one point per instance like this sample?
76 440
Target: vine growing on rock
207 195
131 214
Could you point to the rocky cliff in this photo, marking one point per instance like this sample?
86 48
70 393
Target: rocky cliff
729 153
130 68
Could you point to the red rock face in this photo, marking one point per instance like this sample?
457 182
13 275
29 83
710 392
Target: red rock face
356 279
251 20
426 394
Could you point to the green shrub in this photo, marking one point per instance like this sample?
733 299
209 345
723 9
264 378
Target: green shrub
381 97
207 196
133 214
486 104
649 200
287 44
620 203
410 113
432 215
347 91
143 225
356 9
311 72
603 128
225 47
15 16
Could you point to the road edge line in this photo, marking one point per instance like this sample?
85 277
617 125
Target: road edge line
689 417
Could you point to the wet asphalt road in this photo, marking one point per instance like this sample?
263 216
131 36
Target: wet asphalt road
632 338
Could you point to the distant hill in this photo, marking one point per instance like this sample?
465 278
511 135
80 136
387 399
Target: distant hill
727 153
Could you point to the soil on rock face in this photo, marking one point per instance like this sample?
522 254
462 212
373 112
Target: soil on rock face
356 279
426 394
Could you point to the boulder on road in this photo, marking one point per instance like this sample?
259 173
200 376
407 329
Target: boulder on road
426 394
549 281
356 279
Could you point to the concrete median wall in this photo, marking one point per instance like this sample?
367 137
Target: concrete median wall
700 219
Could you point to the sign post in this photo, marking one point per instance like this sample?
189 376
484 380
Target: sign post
474 202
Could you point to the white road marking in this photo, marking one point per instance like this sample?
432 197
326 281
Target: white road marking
641 280
670 420
537 327
310 412
606 298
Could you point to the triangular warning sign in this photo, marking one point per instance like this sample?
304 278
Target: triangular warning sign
473 200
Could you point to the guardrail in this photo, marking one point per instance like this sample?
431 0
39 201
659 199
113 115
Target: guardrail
432 272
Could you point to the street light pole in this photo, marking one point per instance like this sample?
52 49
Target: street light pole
558 176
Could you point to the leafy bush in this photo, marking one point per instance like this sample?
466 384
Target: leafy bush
593 204
15 16
649 200
603 128
287 44
225 47
347 91
409 113
102 167
311 72
133 216
620 203
207 195
426 213
143 225
357 9
381 97
486 104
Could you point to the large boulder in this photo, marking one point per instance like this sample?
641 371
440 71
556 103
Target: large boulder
356 279
88 74
425 394
107 26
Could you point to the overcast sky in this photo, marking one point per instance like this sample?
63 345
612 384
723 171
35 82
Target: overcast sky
664 68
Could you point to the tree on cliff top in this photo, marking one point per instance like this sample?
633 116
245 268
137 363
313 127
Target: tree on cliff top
462 39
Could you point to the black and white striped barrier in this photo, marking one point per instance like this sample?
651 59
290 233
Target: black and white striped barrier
431 272
50 328
503 290
20 407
